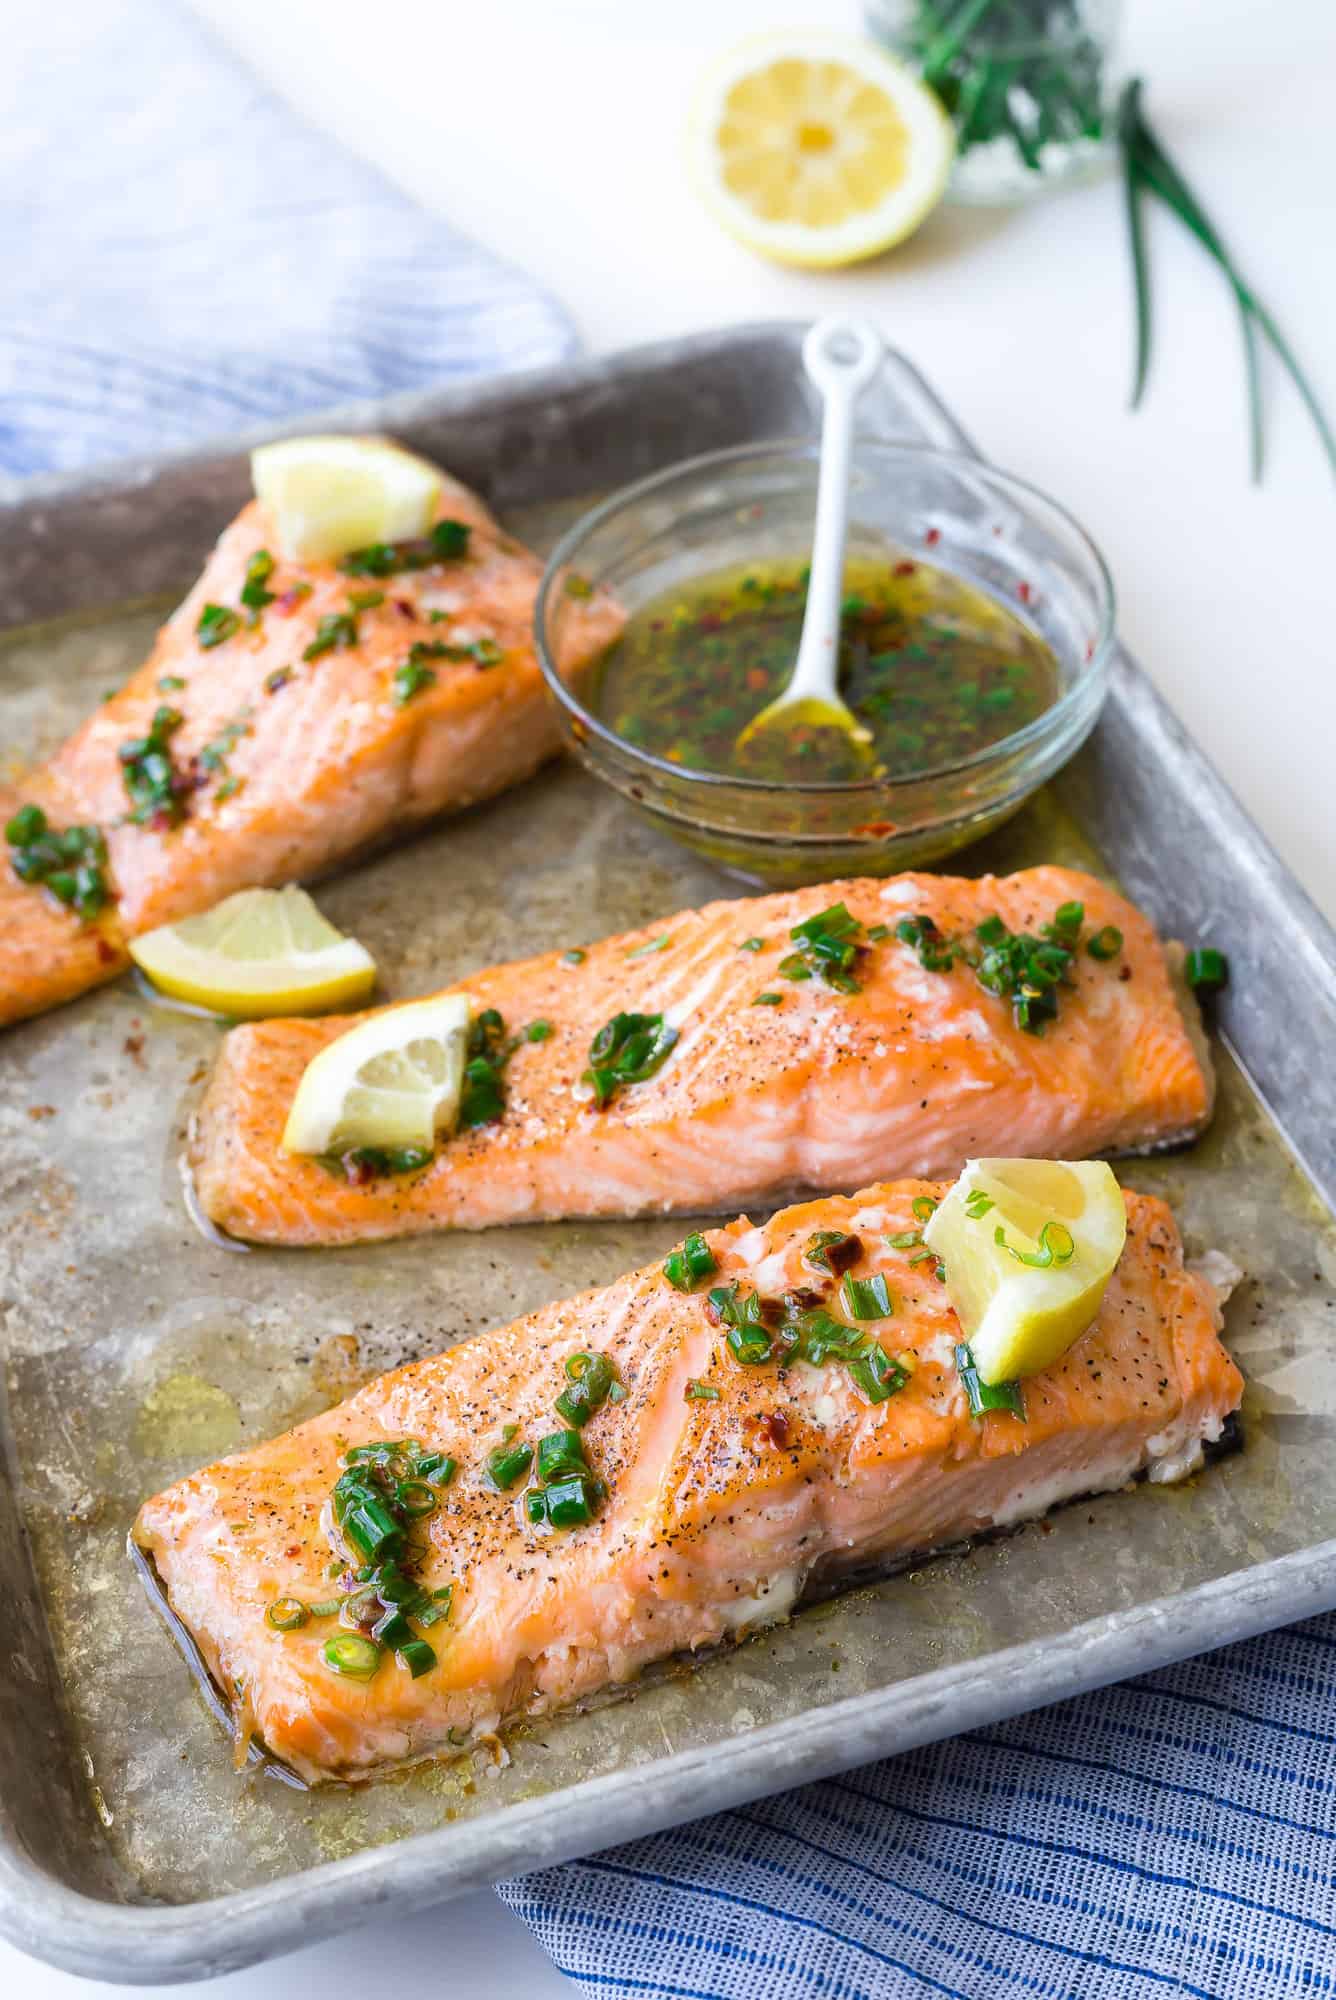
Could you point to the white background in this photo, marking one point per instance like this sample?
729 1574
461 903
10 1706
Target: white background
550 129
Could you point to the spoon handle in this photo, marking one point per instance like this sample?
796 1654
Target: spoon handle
841 357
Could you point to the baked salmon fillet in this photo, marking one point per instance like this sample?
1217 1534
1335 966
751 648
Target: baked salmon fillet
778 1081
717 1493
345 708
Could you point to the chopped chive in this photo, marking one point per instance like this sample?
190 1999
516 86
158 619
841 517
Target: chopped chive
700 1392
507 1463
365 600
867 1298
768 1000
417 1656
287 1614
217 624
329 1607
977 1204
905 1239
752 944
353 1655
1055 1247
987 1395
569 1500
879 933
336 630
1205 968
170 684
1106 943
538 1031
574 956
653 945
630 1048
685 1268
560 1451
923 1207
876 1375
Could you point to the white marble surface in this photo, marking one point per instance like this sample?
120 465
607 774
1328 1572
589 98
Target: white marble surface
552 132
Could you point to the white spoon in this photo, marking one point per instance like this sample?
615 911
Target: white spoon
841 357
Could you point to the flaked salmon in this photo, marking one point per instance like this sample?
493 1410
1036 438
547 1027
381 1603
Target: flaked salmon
718 1491
303 713
778 1080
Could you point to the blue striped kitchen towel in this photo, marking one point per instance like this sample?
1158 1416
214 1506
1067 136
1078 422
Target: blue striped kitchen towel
184 257
1175 1835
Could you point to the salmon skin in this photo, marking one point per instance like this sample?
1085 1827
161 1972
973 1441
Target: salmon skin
913 1073
285 766
730 1489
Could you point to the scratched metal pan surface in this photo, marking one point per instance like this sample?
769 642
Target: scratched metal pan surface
129 1847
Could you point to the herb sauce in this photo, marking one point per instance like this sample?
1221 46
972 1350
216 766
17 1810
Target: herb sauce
933 667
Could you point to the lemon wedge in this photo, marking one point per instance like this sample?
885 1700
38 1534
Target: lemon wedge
262 951
393 1081
328 495
816 148
1029 1246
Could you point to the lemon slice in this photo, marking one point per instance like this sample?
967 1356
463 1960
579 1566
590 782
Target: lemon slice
328 495
263 951
392 1081
1023 1300
816 148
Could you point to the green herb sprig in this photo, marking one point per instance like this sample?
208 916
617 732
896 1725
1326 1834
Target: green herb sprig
1148 169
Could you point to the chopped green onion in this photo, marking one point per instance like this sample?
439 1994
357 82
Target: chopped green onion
259 569
1205 968
337 630
447 540
832 1250
151 784
417 1656
365 600
768 1000
907 1239
416 1498
569 1500
695 1260
1106 943
923 1207
876 1375
217 623
829 944
700 1392
1067 920
977 1204
507 1463
630 1048
752 944
329 1607
1055 1247
987 1395
170 684
654 944
535 1506
574 956
352 1654
410 678
538 1031
287 1614
560 1451
742 1313
879 933
590 1379
867 1298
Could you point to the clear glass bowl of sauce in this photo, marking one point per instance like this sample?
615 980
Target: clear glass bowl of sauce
976 640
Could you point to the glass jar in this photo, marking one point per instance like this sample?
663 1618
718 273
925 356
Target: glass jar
1030 85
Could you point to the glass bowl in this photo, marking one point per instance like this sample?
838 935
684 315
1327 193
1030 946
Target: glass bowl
757 503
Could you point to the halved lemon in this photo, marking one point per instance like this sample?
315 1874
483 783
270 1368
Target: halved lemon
262 951
817 148
332 494
1029 1246
392 1081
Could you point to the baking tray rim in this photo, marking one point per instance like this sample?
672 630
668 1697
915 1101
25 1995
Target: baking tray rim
150 1943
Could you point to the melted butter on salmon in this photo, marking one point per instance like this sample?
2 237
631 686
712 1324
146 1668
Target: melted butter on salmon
913 1074
718 1513
322 761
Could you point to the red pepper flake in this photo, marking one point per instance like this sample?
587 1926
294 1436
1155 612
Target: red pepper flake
904 569
933 536
875 829
106 956
757 679
356 1172
1023 592
405 607
709 621
134 1048
286 603
769 1431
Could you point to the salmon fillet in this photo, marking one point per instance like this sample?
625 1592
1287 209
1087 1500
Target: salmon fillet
721 1507
912 1074
288 766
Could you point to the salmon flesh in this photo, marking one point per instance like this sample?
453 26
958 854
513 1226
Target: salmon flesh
342 710
906 1067
727 1490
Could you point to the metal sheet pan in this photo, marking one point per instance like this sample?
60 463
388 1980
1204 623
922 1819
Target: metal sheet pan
129 1848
